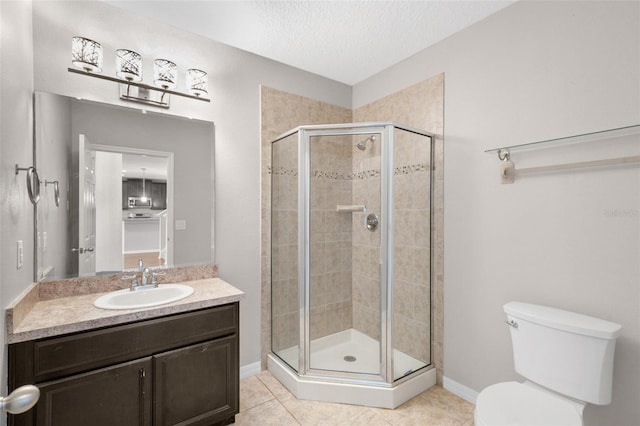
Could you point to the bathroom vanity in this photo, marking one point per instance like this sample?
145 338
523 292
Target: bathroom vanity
168 365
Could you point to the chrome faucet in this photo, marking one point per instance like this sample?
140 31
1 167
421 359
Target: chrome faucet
147 279
146 272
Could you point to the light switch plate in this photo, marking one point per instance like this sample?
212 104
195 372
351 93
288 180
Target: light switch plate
181 225
20 253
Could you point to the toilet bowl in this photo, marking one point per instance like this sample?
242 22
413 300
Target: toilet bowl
524 404
567 361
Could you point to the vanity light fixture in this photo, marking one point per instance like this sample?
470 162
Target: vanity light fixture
197 82
86 56
128 65
165 73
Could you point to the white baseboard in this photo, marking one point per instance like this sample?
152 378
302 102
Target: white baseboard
459 389
250 370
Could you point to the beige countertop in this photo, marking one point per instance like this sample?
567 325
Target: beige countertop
68 314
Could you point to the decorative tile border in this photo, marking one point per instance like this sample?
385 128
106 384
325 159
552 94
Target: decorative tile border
411 169
281 171
366 174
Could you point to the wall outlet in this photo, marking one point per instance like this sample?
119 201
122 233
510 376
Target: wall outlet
20 254
181 225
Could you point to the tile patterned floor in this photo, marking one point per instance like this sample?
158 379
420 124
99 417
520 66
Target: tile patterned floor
264 401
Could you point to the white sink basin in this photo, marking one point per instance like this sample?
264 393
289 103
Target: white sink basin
127 299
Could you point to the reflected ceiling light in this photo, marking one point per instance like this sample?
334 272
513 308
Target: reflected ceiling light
144 195
197 82
128 65
86 55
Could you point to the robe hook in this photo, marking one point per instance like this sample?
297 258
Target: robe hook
504 155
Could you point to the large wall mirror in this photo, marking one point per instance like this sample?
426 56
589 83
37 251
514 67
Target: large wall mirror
120 185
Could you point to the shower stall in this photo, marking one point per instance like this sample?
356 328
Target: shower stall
351 222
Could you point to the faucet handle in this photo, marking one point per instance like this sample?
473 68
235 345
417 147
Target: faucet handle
154 275
133 278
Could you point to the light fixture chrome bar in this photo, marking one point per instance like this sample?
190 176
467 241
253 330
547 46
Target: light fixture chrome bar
137 84
144 96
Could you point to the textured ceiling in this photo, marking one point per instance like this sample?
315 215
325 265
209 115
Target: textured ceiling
347 41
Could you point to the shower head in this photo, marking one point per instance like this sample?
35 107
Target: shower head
362 145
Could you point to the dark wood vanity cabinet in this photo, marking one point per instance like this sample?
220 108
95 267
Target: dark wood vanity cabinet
176 370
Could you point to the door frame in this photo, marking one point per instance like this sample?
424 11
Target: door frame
170 183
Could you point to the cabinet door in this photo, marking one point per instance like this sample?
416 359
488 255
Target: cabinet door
125 195
134 188
159 195
197 385
119 395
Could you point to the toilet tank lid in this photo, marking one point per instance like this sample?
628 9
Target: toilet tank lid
563 320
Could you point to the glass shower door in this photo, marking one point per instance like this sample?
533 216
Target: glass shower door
412 156
344 296
285 300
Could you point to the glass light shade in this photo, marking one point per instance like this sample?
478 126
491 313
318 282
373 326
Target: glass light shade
197 82
128 65
86 54
165 73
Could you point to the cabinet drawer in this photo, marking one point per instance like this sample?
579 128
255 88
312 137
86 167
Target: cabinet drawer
46 359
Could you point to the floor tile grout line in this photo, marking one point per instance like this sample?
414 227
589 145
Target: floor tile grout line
277 399
256 406
461 417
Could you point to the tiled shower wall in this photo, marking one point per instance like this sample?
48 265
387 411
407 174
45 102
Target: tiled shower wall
280 112
411 264
411 242
366 244
419 106
330 234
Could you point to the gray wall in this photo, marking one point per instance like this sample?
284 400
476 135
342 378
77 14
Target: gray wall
533 71
53 159
16 113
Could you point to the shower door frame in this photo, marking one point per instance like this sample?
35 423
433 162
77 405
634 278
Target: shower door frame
385 130
305 133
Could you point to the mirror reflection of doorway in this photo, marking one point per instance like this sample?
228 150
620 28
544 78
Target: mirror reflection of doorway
133 208
144 210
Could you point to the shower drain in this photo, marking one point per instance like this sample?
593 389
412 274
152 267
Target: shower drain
350 358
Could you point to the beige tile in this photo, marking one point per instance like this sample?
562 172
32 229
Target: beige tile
266 414
274 386
439 397
433 407
367 417
321 413
253 393
436 406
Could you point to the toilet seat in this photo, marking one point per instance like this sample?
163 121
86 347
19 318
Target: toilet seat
513 403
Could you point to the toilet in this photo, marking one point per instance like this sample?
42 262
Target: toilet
567 361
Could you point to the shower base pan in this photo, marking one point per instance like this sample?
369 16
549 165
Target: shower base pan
328 353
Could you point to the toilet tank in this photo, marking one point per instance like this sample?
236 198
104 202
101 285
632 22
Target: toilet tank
563 351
